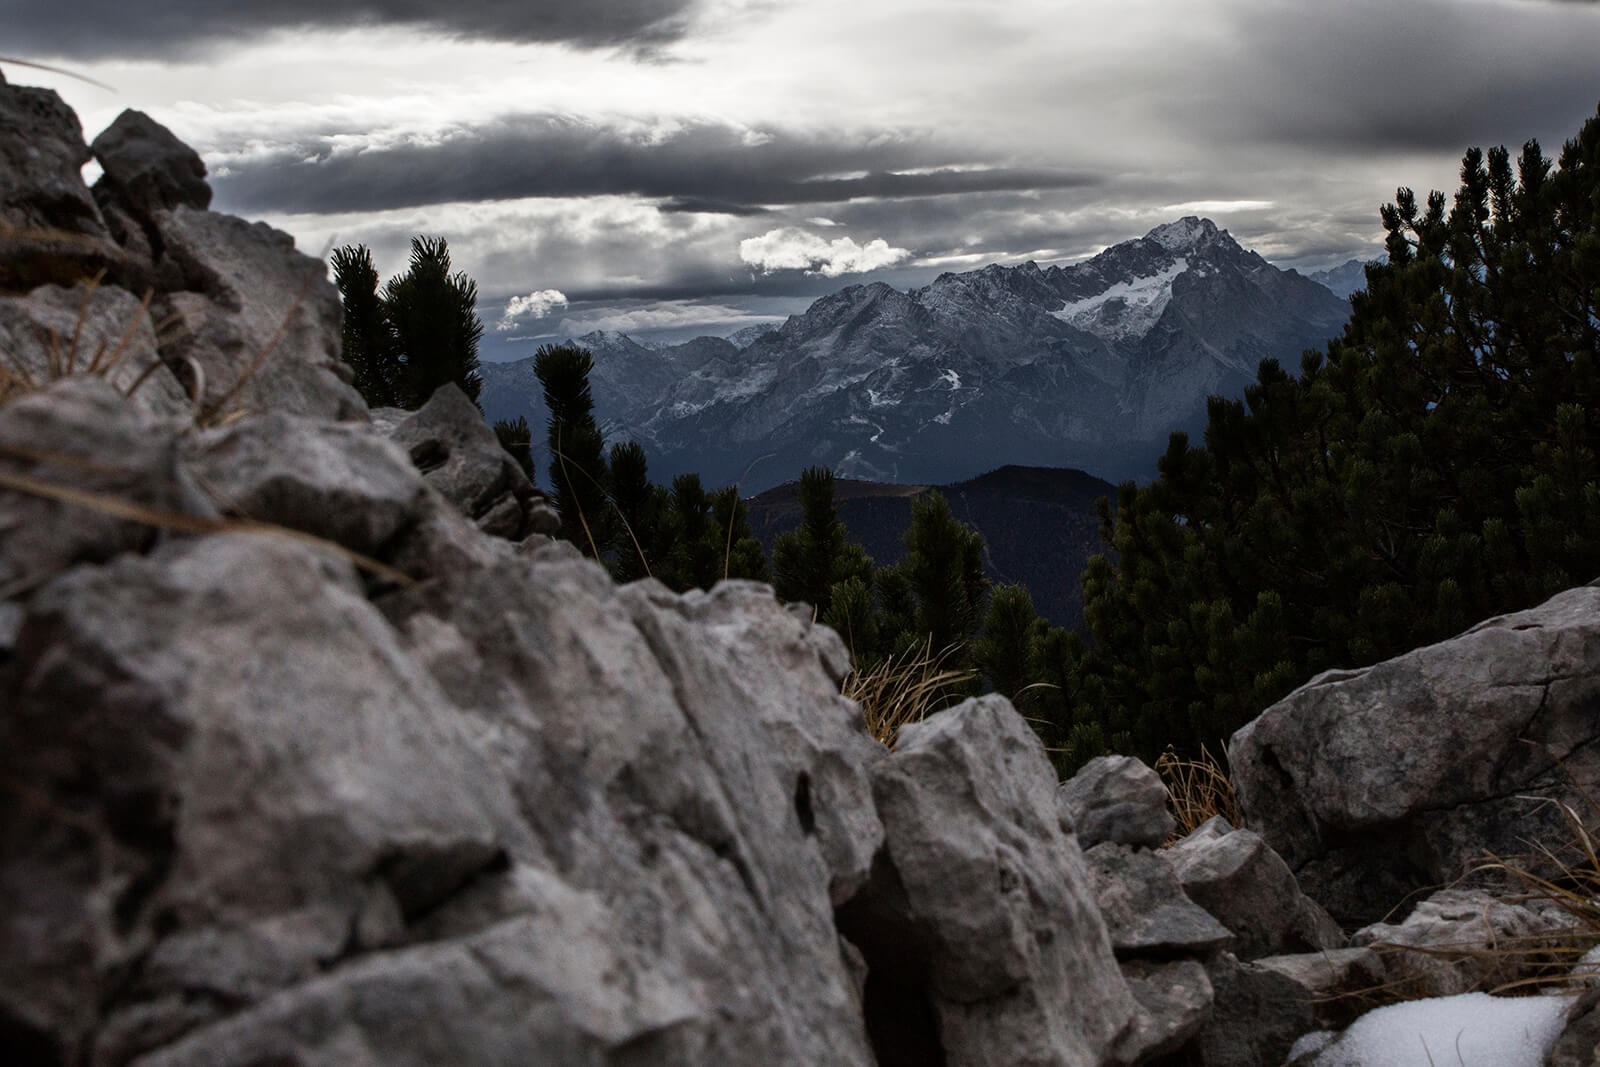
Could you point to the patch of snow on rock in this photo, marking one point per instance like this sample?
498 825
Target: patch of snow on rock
953 378
1469 1030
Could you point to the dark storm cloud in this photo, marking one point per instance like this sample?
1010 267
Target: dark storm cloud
697 167
97 29
1423 75
688 205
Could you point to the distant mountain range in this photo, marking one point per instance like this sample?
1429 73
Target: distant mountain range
1038 524
1088 366
1349 277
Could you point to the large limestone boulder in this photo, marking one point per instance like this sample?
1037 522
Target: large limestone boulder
979 929
1375 783
516 816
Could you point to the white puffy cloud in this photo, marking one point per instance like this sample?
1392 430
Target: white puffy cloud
666 315
791 248
535 305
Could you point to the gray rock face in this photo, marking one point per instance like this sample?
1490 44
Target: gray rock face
1117 798
1462 941
981 936
99 330
41 157
527 817
1145 908
339 481
80 435
248 323
260 320
1258 1013
461 457
1234 875
1375 783
147 168
1175 1000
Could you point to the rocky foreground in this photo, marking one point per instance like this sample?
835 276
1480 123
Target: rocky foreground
316 751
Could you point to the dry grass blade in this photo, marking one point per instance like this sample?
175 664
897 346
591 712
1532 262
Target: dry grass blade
583 521
1198 789
191 524
104 362
55 70
904 689
733 513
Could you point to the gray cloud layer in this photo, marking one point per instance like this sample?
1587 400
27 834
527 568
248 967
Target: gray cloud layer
96 29
1416 76
698 168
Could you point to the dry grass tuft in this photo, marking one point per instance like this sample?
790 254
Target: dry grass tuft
1198 789
1571 884
904 689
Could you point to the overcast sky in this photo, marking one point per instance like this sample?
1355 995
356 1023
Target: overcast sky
671 167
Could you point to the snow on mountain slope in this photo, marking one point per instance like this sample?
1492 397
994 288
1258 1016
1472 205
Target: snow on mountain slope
1126 310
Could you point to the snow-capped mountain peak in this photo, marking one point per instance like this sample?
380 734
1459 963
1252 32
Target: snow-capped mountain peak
1183 235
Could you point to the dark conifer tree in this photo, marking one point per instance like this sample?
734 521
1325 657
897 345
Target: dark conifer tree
695 559
516 437
640 509
742 555
436 327
577 460
368 341
853 614
809 561
1009 649
943 567
421 332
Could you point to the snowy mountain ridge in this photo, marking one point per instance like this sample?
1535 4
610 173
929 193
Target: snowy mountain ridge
1089 365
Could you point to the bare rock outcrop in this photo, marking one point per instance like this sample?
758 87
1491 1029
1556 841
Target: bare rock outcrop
315 752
